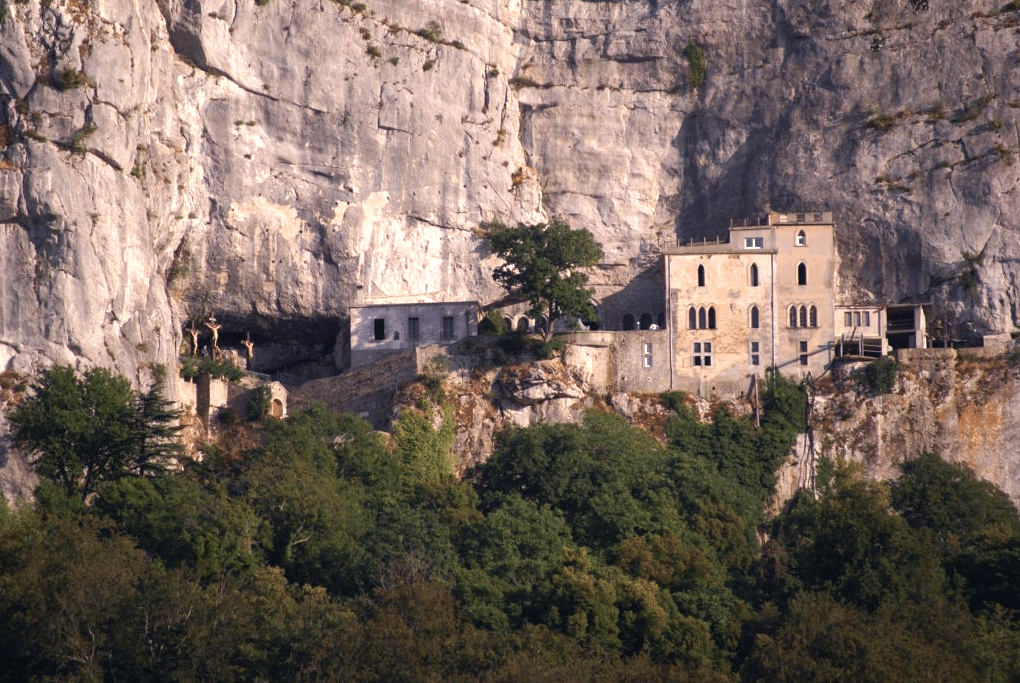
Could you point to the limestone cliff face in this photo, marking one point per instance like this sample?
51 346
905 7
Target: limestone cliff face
965 408
171 159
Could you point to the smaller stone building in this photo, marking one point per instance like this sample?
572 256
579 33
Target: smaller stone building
382 328
860 331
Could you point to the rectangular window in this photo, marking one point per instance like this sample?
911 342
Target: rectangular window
413 329
647 355
857 318
866 320
753 242
448 327
803 353
702 353
380 329
848 319
755 353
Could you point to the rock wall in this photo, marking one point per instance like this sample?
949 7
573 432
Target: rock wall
965 407
163 160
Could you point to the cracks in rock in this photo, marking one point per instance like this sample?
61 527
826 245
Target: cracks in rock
633 59
213 71
381 126
441 226
233 18
102 156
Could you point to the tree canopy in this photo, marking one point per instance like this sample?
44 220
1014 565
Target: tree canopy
85 429
312 549
543 263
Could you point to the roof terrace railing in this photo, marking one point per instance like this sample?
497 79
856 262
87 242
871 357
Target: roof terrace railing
776 218
749 222
704 241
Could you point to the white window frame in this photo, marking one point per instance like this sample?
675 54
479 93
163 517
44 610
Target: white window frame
754 243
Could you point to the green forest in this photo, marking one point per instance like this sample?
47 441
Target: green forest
316 549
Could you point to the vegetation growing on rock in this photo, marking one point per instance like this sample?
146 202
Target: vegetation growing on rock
577 552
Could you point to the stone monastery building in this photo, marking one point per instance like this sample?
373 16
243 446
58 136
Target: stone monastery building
766 297
763 299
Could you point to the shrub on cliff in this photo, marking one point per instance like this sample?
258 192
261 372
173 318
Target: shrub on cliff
881 375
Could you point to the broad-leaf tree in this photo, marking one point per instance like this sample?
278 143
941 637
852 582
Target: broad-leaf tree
543 264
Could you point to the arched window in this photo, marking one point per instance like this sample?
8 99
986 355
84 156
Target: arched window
754 275
508 325
801 239
702 320
793 316
711 318
754 317
803 316
628 322
701 276
523 325
692 319
660 320
646 321
813 313
802 274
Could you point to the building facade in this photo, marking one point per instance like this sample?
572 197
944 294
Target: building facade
380 329
764 298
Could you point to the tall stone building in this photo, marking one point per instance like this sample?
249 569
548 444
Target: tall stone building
764 298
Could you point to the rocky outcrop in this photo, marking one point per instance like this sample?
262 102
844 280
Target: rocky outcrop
966 408
270 162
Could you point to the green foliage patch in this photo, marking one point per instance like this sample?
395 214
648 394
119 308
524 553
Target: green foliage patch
193 366
84 429
542 264
881 375
69 79
695 55
576 552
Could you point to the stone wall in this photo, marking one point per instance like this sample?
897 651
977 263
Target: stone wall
636 361
366 391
